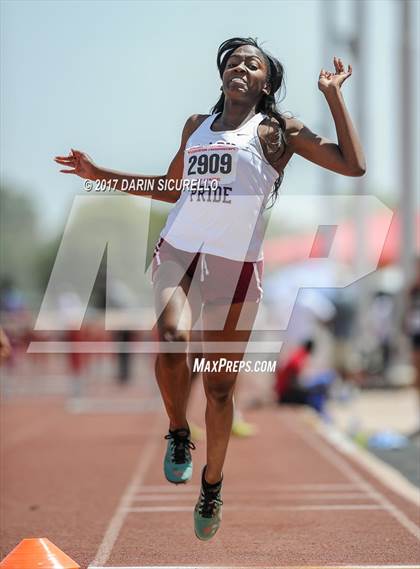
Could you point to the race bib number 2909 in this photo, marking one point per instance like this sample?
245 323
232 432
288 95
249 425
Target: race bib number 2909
211 162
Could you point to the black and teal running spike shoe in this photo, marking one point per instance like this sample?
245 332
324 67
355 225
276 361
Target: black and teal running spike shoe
208 510
177 466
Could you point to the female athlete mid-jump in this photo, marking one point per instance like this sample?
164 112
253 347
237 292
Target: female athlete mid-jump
208 260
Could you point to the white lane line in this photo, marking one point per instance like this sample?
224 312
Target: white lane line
165 498
238 489
306 508
332 456
170 488
264 567
384 472
271 497
118 519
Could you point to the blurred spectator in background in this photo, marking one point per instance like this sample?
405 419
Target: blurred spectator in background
382 318
5 348
412 328
305 376
124 356
117 299
287 386
347 362
69 306
11 298
16 318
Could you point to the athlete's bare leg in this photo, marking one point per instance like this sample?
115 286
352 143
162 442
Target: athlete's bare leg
219 387
177 316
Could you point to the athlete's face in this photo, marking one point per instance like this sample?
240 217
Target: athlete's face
245 75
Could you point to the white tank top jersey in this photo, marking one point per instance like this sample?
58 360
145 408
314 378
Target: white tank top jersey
224 218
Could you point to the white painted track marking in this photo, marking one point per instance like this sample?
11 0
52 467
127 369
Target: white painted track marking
384 472
303 508
271 497
273 488
238 489
332 456
117 520
134 491
264 567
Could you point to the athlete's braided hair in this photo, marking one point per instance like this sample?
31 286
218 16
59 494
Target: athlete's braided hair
267 104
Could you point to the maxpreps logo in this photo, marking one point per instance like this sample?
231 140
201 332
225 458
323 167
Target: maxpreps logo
233 366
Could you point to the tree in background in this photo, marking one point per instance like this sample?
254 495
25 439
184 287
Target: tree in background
20 240
27 258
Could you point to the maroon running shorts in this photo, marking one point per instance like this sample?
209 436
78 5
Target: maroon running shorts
221 280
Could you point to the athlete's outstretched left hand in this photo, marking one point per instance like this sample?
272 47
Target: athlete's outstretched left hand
328 80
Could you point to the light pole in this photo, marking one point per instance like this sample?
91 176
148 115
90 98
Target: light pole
408 204
360 52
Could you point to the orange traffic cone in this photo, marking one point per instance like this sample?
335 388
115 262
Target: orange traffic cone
37 553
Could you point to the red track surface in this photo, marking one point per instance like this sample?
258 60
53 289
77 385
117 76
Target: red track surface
93 484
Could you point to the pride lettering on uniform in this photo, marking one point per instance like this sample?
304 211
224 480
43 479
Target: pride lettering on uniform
218 195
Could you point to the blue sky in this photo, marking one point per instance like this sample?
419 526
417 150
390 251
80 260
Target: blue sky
118 80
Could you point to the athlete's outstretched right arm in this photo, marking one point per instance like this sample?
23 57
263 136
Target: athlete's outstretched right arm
80 164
